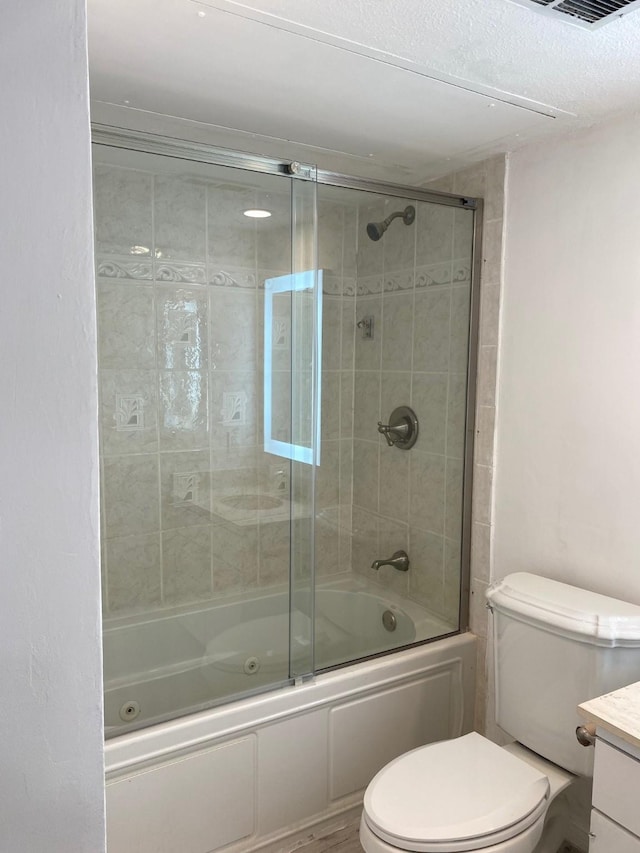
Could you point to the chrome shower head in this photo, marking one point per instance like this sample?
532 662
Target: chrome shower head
375 230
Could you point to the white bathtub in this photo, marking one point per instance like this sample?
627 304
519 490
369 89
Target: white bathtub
262 772
182 661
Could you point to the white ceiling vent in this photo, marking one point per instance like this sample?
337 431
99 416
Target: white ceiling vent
585 13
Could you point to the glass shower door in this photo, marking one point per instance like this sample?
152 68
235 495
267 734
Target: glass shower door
206 523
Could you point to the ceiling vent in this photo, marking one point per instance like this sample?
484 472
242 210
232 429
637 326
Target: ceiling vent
584 13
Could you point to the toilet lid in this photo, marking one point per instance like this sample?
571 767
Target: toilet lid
445 795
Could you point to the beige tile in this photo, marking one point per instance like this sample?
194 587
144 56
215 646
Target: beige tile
122 209
427 491
456 414
126 325
484 435
179 218
235 557
490 314
397 329
134 572
346 403
131 495
459 339
231 237
393 500
183 409
434 233
426 574
365 474
395 391
273 553
233 329
495 193
328 475
330 405
364 548
429 401
331 332
185 489
186 564
482 492
452 577
481 551
366 406
128 412
431 330
487 376
183 327
492 252
453 486
477 608
349 331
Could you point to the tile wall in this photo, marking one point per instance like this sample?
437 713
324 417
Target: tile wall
415 284
180 279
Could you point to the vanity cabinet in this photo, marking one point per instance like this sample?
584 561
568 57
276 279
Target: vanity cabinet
615 816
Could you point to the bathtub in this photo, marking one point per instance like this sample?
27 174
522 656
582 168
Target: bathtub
267 771
180 661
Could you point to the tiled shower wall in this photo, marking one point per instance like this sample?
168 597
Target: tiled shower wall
180 338
180 274
415 285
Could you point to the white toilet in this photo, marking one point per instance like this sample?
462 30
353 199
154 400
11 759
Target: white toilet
555 646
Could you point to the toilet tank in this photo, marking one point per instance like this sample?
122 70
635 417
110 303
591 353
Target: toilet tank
556 646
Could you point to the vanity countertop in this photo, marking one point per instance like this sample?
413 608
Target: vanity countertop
617 712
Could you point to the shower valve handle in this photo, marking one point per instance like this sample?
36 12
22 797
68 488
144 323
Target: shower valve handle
402 429
393 433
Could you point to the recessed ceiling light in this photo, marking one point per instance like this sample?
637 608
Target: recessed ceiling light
257 213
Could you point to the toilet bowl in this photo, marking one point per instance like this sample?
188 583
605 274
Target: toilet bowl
461 795
555 645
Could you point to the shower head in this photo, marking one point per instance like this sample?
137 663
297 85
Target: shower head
375 230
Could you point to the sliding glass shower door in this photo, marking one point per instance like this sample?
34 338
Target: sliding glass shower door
287 373
207 310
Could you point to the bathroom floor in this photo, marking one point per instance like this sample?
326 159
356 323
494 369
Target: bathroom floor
345 840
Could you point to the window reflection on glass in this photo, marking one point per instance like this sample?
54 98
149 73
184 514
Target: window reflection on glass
292 386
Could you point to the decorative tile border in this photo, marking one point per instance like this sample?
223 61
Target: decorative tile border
331 285
433 275
191 273
396 281
123 268
461 271
241 278
369 285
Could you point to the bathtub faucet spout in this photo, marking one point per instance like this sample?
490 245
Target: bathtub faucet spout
399 561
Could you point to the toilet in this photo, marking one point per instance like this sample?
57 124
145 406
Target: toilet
555 646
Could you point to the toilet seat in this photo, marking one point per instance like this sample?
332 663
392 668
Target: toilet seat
458 795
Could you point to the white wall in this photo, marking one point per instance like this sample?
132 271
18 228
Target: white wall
51 781
567 493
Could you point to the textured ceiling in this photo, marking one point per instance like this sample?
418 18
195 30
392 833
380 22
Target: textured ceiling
400 89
